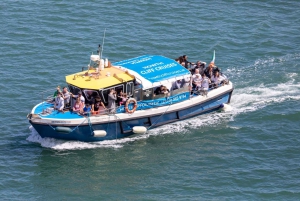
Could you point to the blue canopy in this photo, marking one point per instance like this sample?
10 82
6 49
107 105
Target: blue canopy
154 69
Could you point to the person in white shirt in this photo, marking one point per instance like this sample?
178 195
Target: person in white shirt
217 79
197 79
205 84
66 96
82 99
59 102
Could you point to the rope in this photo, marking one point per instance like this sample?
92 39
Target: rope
89 121
158 118
73 128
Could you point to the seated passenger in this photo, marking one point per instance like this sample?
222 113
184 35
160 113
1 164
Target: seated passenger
197 79
86 110
200 66
158 90
205 84
123 99
209 71
77 105
79 95
165 91
217 79
59 103
178 84
120 98
98 107
187 82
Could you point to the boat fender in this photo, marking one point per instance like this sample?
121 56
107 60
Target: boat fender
226 107
139 129
65 130
130 100
99 133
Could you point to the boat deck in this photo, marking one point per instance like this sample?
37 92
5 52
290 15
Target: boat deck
53 113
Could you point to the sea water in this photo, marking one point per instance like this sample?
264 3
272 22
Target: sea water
250 152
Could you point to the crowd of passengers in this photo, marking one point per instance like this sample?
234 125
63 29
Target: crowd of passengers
63 101
203 78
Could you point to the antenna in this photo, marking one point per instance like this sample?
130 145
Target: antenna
102 44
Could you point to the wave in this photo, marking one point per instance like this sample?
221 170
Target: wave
244 100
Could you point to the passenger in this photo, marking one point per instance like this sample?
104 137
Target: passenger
158 90
209 71
57 91
200 66
178 84
120 97
204 85
123 99
165 91
66 96
187 82
180 59
98 107
193 76
82 99
217 79
186 62
197 79
112 100
91 97
77 105
59 103
86 110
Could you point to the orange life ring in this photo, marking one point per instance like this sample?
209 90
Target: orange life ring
131 100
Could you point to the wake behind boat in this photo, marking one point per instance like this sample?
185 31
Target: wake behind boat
111 101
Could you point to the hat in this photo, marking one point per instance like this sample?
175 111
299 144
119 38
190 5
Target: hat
80 93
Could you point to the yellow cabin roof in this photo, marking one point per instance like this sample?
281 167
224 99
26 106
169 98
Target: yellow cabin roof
105 78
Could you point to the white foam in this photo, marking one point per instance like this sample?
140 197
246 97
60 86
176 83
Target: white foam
72 145
243 100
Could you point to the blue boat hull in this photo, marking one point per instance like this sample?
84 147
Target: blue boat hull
120 129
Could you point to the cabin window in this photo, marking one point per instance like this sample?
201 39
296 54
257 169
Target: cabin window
74 90
137 94
148 94
129 89
90 94
179 91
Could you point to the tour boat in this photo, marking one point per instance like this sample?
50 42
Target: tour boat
137 77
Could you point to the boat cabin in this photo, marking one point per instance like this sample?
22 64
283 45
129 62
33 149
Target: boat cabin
139 78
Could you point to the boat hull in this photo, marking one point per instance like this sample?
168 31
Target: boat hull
117 127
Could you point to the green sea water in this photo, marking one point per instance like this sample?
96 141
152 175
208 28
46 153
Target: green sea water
248 153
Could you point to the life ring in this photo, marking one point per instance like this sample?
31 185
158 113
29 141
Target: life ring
131 100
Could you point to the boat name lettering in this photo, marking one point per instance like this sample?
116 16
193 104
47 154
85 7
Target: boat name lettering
140 60
147 71
60 122
153 65
159 66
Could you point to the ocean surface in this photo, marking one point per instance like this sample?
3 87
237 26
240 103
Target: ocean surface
251 152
